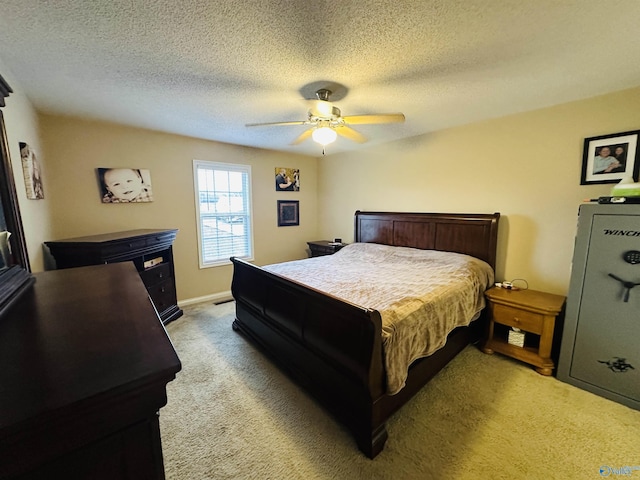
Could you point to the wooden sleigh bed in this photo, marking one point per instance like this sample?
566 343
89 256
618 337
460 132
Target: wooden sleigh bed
333 348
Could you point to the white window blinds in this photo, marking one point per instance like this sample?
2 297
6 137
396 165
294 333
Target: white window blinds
223 206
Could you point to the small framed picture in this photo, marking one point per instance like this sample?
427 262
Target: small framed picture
610 158
287 179
31 171
288 213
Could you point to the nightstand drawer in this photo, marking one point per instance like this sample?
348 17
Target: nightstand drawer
515 317
324 247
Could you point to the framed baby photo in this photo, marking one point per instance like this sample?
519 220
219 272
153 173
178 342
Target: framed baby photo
288 213
125 185
610 158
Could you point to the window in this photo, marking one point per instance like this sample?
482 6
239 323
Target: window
223 207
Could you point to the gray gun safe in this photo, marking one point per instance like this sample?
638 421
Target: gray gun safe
600 350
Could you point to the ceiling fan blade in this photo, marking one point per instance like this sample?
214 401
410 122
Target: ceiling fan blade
302 137
350 133
270 124
374 118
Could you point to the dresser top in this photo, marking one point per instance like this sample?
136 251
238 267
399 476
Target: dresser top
77 335
115 236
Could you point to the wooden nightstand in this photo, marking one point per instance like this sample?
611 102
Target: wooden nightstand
323 247
532 312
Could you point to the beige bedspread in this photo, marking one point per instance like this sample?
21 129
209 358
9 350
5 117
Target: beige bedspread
422 295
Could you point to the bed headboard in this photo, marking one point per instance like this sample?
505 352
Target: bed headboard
473 234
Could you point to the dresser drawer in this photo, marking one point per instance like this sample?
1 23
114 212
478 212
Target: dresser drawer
163 295
156 274
161 238
514 317
122 248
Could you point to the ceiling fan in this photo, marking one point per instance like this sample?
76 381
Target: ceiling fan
327 122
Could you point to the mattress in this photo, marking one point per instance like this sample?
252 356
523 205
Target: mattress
422 295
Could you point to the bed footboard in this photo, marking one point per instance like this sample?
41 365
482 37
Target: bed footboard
331 347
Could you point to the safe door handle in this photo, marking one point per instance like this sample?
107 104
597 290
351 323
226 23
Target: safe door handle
627 286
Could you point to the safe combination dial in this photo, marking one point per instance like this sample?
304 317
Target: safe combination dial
631 256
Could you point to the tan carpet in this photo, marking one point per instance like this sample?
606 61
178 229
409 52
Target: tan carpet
232 415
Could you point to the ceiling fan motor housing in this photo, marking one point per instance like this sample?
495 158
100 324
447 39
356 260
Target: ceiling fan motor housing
323 111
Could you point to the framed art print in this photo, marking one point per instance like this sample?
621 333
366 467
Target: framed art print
610 158
288 213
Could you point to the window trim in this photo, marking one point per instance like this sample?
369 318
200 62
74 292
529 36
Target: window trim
235 167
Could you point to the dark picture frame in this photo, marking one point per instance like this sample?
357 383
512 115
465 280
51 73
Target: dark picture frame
610 158
15 277
288 213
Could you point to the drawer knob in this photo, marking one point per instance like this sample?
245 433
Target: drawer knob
516 319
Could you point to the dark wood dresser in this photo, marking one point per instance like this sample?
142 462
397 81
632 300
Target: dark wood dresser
150 250
85 364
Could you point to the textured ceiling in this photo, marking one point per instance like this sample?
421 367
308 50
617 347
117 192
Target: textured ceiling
206 68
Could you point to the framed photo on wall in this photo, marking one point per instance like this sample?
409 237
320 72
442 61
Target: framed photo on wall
610 158
288 213
31 172
287 179
125 185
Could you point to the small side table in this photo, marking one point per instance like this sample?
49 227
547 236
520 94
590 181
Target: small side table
324 247
532 312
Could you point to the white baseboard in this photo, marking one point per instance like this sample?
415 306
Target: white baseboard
213 298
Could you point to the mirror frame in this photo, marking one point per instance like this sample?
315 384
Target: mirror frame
17 278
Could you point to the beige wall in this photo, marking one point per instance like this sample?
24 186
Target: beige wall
75 148
525 166
21 123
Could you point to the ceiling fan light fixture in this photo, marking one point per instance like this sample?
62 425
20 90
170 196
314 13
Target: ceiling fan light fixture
324 135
